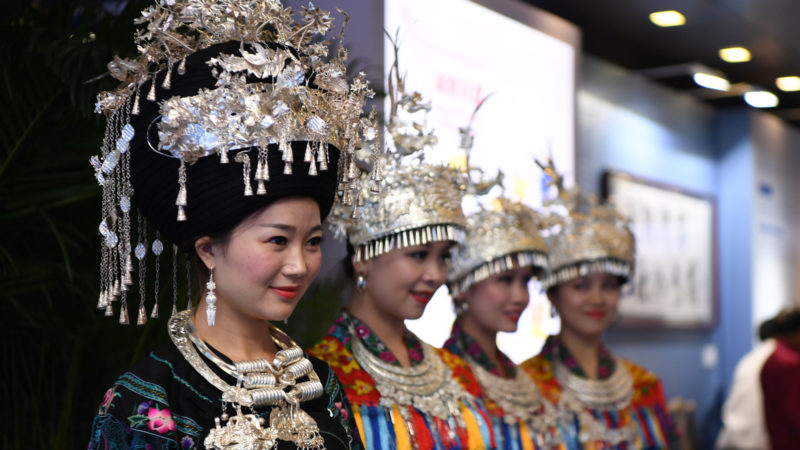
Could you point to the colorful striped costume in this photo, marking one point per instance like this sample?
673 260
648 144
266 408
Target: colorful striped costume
402 426
516 435
646 413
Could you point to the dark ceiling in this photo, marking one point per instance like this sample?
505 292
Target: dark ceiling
620 32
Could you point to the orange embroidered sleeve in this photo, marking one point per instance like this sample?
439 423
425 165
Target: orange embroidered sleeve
358 385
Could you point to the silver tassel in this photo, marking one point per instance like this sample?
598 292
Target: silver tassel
135 110
181 201
244 158
182 67
259 169
322 156
168 78
151 95
142 319
123 314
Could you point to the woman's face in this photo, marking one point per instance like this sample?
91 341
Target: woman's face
587 305
400 283
269 260
496 303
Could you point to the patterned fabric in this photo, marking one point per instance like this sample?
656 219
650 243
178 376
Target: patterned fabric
460 342
340 329
516 436
605 364
163 403
383 426
647 410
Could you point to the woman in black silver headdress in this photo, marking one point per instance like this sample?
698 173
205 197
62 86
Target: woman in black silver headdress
230 135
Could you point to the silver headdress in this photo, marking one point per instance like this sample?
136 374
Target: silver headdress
584 236
496 238
418 202
278 81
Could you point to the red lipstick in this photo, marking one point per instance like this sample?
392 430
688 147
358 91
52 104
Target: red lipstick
422 296
287 292
597 314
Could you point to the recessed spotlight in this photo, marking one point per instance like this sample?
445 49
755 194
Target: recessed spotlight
761 99
667 18
788 84
710 81
734 54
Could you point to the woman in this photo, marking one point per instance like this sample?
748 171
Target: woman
405 394
489 283
234 103
601 401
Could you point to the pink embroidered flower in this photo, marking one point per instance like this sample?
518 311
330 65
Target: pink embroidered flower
108 397
362 331
342 410
160 420
388 357
414 355
474 349
603 372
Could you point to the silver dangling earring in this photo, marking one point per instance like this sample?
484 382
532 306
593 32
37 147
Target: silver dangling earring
462 308
553 311
361 282
211 300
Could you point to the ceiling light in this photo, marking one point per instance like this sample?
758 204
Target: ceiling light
709 81
734 54
761 99
788 84
667 18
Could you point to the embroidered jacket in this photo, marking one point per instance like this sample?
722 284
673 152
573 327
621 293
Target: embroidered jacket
382 427
647 410
516 436
164 403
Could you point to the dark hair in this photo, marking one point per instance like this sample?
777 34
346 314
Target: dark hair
787 322
347 261
767 329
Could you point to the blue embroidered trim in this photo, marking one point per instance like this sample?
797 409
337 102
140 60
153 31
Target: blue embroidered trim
187 426
179 379
332 390
138 386
339 331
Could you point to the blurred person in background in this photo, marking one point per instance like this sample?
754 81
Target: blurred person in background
601 401
744 426
488 280
780 383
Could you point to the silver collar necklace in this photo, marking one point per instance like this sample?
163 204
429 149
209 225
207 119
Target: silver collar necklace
258 383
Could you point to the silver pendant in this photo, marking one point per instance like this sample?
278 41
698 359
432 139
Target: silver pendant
242 431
